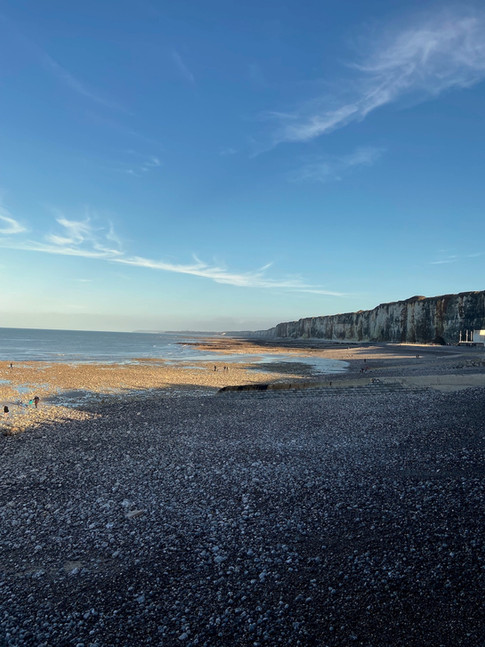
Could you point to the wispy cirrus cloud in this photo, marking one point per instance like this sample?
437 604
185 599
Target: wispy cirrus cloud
8 224
87 239
226 152
182 67
58 71
254 279
333 168
144 166
74 84
432 54
454 258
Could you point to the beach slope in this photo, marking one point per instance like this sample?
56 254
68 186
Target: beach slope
309 517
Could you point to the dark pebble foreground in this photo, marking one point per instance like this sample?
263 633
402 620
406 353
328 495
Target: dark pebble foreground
248 519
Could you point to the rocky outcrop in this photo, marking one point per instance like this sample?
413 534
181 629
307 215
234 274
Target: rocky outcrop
418 319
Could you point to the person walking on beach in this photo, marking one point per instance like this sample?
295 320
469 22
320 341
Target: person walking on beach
5 411
36 401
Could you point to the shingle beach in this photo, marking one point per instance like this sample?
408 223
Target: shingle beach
342 514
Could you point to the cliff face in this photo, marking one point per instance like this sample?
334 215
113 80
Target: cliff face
417 319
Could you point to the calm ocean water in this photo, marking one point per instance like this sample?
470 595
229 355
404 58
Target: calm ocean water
23 344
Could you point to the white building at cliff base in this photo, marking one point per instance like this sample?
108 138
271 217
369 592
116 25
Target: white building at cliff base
479 337
472 337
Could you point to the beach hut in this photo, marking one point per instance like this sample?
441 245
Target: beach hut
479 337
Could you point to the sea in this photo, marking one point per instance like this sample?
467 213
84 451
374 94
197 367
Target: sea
78 346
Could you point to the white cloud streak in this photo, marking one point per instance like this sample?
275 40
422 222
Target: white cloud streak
54 68
454 258
328 169
225 152
82 238
140 169
182 67
70 81
430 56
9 225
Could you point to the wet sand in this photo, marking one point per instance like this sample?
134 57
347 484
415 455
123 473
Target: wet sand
340 351
65 389
444 368
58 384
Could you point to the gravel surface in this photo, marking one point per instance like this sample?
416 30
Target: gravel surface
248 519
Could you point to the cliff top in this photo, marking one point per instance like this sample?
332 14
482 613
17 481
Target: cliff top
397 303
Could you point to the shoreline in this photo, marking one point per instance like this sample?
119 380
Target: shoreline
337 515
69 391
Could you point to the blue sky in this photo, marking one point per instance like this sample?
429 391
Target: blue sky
225 165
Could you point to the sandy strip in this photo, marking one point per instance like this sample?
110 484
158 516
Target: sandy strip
80 384
339 351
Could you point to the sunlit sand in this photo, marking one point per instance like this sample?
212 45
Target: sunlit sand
71 391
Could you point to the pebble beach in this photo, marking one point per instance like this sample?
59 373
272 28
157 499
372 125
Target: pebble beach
140 505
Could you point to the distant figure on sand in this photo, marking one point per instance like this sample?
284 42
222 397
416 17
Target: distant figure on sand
11 365
5 411
215 367
36 401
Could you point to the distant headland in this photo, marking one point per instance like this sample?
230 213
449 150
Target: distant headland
446 319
